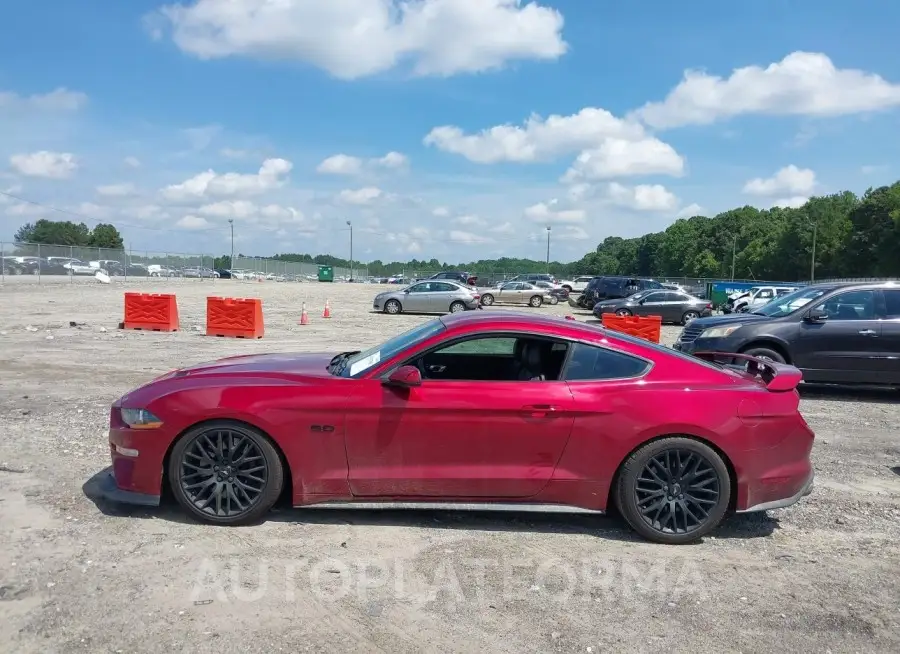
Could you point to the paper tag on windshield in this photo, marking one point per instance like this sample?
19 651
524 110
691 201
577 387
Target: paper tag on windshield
364 364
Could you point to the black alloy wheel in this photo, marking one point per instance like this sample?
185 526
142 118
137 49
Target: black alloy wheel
226 473
674 490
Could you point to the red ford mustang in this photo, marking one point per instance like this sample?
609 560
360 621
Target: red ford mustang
471 411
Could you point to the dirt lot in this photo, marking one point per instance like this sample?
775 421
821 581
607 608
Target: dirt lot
78 577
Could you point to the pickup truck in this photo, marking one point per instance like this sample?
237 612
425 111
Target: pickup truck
576 284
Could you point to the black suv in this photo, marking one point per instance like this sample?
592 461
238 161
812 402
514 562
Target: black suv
461 277
840 333
612 288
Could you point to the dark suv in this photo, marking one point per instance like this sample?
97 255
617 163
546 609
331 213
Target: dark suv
461 277
841 333
611 288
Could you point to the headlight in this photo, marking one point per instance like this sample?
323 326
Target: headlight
720 332
140 419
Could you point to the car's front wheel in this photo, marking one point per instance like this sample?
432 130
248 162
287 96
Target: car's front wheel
674 490
487 299
554 300
765 354
392 307
226 473
536 301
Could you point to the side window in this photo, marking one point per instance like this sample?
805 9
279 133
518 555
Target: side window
588 362
441 287
495 346
764 295
852 305
679 297
650 298
420 288
892 304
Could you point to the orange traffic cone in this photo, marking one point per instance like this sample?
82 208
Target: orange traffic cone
327 313
304 317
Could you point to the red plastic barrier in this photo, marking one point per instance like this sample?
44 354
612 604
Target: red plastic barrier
151 311
647 327
235 317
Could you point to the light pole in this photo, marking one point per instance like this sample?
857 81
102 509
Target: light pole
733 253
812 263
350 225
231 260
548 249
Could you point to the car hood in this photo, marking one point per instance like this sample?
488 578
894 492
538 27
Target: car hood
313 365
728 319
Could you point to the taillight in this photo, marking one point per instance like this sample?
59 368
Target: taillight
709 306
476 296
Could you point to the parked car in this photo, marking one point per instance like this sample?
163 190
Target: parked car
11 266
464 278
612 288
516 293
840 333
491 409
78 267
671 306
532 277
576 284
428 297
761 295
40 266
557 293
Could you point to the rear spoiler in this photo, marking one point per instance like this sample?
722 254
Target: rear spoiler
777 377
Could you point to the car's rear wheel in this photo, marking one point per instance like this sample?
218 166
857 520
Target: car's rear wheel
226 473
457 306
623 313
554 300
392 307
766 354
689 316
536 301
674 490
487 299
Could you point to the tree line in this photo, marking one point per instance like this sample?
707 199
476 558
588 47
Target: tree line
839 235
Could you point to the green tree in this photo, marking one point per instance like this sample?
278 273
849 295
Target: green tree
106 236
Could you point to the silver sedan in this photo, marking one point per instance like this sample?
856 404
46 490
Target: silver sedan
428 297
516 293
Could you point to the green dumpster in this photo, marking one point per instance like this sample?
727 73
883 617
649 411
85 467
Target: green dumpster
326 274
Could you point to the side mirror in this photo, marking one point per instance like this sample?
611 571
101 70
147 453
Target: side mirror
406 291
405 377
815 315
641 301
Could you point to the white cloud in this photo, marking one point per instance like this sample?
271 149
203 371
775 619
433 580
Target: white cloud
340 164
191 222
92 210
441 212
357 38
538 139
25 209
343 164
643 197
117 190
546 212
366 195
789 180
13 190
52 165
869 170
621 158
572 233
466 238
505 229
794 202
60 99
469 221
690 211
210 184
803 83
132 162
245 211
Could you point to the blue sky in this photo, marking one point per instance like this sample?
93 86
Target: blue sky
455 129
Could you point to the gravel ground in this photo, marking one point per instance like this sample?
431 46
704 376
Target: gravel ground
80 577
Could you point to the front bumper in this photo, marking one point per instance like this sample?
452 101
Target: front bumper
111 492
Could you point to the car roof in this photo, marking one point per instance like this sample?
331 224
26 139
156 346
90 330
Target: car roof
515 320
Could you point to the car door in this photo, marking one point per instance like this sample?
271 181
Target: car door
890 335
763 297
653 304
509 293
439 297
417 299
844 347
458 438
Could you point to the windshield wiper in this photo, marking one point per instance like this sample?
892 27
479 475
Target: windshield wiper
759 313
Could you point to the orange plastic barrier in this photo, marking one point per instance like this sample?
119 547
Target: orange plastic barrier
236 317
643 327
151 311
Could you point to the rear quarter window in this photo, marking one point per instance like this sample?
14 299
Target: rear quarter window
592 363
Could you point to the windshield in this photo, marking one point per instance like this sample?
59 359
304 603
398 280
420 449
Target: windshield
354 364
782 306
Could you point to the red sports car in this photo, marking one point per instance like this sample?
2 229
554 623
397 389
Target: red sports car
471 411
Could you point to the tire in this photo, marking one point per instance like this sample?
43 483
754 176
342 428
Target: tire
457 306
765 354
536 301
623 313
554 300
689 316
392 307
712 495
257 488
487 299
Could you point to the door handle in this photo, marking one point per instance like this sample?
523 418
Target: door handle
437 368
539 410
867 332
